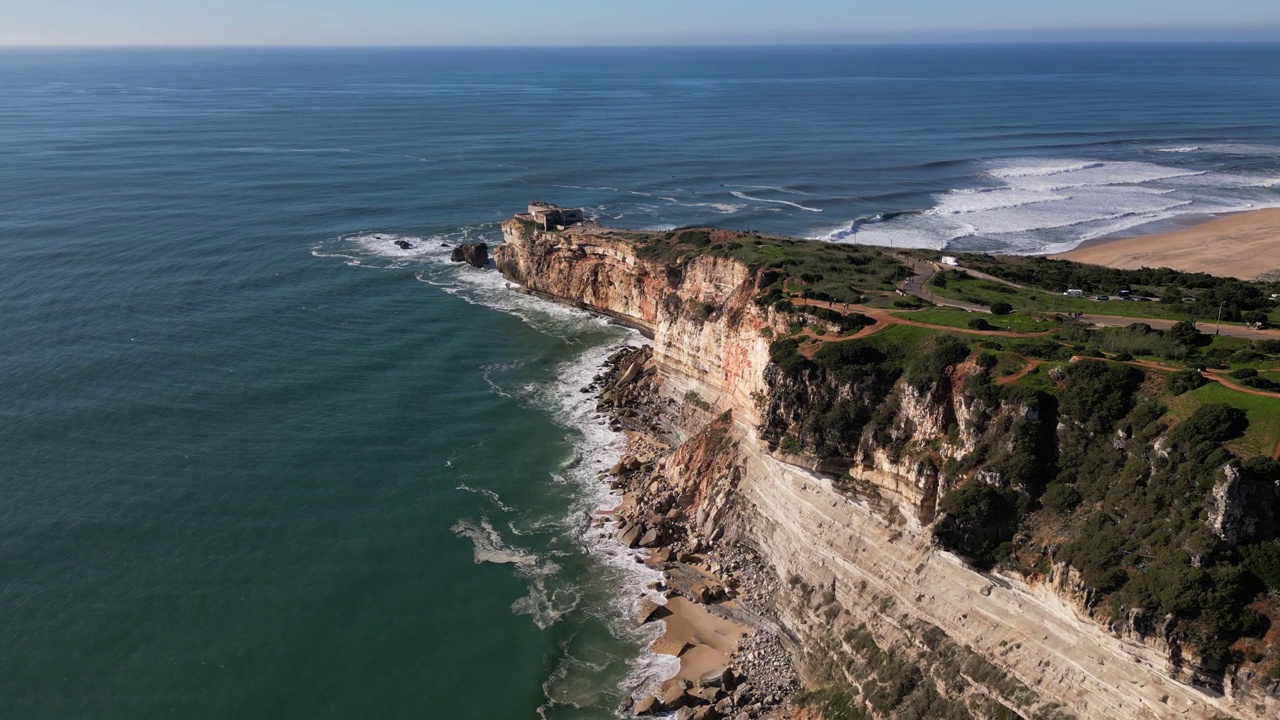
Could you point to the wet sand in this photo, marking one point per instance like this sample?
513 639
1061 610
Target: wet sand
1243 245
701 640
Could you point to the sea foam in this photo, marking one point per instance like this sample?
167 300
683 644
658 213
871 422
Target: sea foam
1035 205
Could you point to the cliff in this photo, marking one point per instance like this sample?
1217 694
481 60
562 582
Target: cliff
849 466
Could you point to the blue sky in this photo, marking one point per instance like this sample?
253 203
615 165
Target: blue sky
613 22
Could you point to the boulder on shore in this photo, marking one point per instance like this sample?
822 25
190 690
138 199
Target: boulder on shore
475 254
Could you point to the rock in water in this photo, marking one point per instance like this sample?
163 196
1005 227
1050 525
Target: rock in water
475 254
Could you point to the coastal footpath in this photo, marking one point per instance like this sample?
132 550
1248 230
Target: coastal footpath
838 501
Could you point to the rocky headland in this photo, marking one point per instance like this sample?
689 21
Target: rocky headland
830 512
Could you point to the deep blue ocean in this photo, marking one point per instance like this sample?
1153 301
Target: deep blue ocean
258 462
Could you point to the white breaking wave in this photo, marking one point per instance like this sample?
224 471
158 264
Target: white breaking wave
722 208
744 196
775 188
1041 168
379 250
1050 205
600 449
551 596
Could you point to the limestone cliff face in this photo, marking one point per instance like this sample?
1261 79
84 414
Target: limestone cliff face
862 580
709 337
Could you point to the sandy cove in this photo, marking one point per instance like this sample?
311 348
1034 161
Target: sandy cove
1243 245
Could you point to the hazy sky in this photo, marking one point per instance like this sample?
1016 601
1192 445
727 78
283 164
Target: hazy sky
608 22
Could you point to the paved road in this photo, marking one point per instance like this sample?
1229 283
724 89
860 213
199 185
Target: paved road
915 285
1161 324
923 270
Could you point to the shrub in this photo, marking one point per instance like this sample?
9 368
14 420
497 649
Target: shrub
1243 373
1097 552
785 353
1263 561
1099 393
979 324
1060 497
1214 422
935 355
1001 308
1185 381
1185 332
836 354
1261 383
979 519
1255 317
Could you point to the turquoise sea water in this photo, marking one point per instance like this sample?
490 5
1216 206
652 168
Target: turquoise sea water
256 461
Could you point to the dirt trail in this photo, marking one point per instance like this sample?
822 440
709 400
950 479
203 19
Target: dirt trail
886 318
1218 376
1032 364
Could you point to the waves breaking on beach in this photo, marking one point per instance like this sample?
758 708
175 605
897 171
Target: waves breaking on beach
1042 205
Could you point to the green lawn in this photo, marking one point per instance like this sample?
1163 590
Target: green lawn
1039 379
1263 412
985 292
957 318
899 340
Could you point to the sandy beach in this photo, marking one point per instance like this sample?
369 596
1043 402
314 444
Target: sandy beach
1243 245
703 641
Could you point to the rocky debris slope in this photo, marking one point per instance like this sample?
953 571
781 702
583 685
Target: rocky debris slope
728 583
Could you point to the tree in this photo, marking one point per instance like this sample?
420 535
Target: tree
1185 332
1255 317
1214 423
1001 308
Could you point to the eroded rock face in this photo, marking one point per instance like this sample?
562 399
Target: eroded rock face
475 254
856 574
1239 507
708 334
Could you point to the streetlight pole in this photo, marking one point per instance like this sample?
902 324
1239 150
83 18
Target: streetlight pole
1219 322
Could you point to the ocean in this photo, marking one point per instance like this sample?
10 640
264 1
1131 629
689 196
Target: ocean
257 461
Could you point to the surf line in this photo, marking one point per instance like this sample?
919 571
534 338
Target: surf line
744 196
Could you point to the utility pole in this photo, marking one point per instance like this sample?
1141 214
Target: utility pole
1219 322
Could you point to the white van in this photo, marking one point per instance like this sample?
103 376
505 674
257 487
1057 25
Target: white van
1074 293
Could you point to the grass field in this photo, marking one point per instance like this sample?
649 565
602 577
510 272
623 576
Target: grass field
1263 412
957 318
960 286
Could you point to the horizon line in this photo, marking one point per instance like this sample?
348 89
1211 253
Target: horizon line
647 45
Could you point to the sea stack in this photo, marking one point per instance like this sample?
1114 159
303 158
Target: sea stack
476 254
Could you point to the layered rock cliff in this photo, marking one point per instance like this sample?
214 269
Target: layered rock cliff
847 519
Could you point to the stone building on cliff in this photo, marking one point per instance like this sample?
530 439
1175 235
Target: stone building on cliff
553 217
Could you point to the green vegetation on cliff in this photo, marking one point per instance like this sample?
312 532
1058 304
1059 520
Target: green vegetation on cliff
823 271
1123 474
